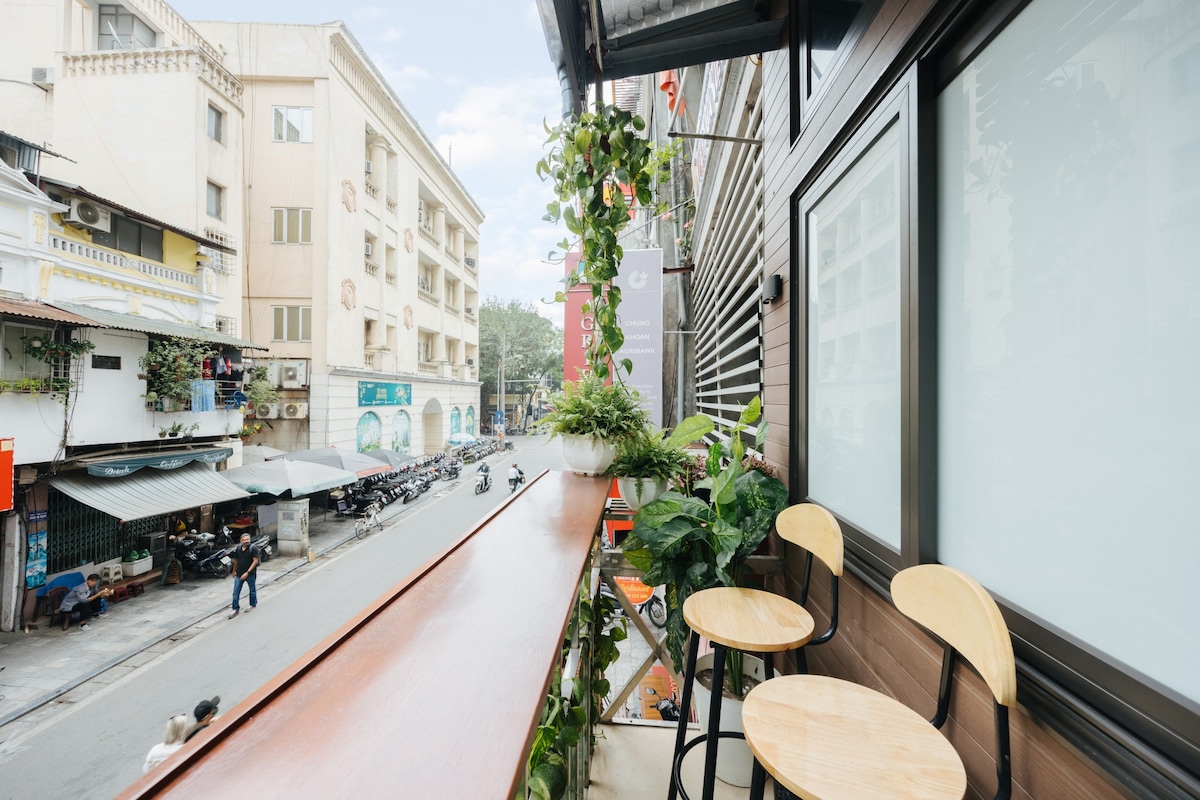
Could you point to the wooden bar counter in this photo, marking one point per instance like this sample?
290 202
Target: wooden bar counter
432 691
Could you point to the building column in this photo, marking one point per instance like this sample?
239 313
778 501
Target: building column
377 145
439 224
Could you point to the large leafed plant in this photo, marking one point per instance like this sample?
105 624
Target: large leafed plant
690 544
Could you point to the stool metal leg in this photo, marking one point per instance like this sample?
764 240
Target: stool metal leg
685 708
714 721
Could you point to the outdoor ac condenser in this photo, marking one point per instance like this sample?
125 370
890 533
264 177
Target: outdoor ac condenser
295 410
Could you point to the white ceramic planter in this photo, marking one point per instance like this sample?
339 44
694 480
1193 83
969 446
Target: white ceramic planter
735 764
637 492
587 455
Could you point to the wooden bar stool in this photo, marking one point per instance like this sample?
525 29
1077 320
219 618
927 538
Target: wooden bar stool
827 738
753 621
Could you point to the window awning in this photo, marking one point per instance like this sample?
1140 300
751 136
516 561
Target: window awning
135 322
149 493
120 467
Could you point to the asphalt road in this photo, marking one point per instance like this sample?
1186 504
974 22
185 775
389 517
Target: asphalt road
96 749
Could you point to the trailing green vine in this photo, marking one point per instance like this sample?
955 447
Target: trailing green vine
597 162
564 719
171 364
49 351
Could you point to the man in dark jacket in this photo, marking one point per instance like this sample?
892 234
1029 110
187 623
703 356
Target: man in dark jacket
245 570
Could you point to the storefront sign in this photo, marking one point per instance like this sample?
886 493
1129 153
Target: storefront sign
119 468
39 516
375 393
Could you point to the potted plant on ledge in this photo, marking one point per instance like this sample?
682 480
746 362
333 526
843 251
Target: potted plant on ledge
646 462
592 418
689 544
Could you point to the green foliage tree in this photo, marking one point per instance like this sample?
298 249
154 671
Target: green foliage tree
530 344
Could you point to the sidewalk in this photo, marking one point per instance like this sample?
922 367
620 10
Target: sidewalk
43 665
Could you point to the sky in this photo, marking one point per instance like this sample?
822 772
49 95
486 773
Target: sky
477 77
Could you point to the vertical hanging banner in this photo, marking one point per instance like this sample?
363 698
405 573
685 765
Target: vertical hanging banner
640 315
7 473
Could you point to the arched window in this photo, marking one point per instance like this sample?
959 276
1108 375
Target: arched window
401 432
369 435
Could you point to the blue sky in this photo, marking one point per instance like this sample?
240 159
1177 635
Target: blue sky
477 77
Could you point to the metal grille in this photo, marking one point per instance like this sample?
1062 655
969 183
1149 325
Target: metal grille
78 534
729 266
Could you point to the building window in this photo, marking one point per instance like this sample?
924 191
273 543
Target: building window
215 200
854 458
292 124
122 30
1067 431
216 124
291 225
131 236
292 323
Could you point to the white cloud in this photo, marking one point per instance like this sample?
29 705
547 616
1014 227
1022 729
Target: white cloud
370 13
391 35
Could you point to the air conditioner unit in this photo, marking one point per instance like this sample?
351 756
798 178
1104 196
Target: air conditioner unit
267 411
470 261
293 374
367 168
43 77
295 410
87 214
470 310
470 362
367 248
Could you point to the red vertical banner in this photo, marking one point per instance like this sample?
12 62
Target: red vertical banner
7 454
577 326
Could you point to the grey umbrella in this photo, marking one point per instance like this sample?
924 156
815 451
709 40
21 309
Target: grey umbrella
391 457
358 463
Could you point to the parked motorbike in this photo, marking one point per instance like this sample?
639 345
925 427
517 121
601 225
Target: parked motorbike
653 607
449 470
264 547
483 480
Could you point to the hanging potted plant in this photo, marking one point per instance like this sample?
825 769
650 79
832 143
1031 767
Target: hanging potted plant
689 544
592 418
646 462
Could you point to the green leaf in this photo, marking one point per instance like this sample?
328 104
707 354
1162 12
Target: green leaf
691 429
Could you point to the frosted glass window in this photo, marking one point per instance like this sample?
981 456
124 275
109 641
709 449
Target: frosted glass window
292 323
291 225
1069 329
853 236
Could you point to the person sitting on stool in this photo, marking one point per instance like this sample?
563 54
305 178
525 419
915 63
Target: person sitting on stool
86 599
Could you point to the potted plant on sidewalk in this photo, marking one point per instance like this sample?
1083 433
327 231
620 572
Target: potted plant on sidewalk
689 544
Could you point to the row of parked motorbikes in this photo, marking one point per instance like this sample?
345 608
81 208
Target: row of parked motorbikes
405 484
209 554
481 449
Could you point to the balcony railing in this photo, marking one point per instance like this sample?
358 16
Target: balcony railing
390 278
160 60
427 296
391 205
428 368
116 259
369 359
371 268
372 189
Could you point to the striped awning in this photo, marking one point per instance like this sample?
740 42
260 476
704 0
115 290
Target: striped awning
149 493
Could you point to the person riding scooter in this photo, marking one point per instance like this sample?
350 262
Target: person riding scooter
515 477
483 478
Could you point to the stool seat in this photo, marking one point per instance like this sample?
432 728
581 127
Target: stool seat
111 574
827 738
748 619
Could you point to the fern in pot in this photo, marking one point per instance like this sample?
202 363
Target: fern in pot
647 462
593 417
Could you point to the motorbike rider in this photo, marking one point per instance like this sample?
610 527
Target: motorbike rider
483 480
515 476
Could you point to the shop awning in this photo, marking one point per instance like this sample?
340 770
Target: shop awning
35 310
120 467
149 493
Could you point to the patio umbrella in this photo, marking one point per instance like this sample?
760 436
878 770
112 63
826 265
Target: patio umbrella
390 457
282 475
461 438
336 457
253 453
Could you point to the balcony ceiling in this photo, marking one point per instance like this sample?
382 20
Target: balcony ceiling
640 37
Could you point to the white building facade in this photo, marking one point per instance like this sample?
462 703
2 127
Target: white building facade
361 248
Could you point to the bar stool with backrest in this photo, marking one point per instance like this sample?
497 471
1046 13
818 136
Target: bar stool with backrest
829 738
754 621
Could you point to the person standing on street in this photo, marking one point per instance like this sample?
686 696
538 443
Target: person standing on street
245 570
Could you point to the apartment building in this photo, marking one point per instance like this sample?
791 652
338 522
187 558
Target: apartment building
361 248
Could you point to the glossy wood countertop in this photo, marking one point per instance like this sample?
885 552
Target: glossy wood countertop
432 691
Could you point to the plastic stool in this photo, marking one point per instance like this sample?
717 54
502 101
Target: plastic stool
111 574
136 589
120 593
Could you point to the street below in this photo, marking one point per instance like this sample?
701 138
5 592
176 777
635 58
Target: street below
95 748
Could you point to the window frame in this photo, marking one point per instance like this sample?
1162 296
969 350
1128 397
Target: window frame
280 317
215 124
214 190
280 225
305 128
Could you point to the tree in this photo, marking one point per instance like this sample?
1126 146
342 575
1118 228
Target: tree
527 344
